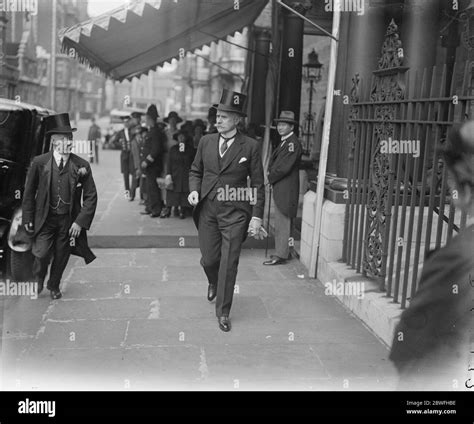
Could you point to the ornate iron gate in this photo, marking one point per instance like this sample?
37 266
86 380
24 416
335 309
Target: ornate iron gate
397 182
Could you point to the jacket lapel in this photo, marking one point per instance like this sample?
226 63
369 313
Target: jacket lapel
72 176
233 151
47 169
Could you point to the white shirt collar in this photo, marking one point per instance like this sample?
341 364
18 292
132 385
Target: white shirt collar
229 142
58 156
287 136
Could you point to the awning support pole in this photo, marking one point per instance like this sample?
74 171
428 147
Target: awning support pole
313 269
309 20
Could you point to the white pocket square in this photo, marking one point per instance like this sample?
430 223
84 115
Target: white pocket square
242 160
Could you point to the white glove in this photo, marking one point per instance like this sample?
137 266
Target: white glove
255 228
193 198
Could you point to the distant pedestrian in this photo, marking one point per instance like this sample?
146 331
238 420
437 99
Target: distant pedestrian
283 175
173 119
431 343
131 128
199 129
94 138
152 165
180 158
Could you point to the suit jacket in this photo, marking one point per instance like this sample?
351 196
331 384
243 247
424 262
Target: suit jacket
36 198
284 175
154 147
205 173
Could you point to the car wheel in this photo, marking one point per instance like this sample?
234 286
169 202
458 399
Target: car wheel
21 266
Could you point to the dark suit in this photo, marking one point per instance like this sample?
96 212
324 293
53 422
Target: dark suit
284 176
153 150
223 223
50 230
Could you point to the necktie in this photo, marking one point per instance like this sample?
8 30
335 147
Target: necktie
61 164
224 145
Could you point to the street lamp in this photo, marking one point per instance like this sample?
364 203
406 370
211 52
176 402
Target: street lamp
311 74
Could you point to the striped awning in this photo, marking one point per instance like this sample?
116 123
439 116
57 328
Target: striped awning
144 34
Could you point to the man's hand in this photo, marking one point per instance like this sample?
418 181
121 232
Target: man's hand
255 228
193 198
75 230
138 174
144 164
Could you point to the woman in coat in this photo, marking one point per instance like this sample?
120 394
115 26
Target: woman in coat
180 158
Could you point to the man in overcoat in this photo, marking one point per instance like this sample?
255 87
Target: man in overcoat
222 165
59 203
283 175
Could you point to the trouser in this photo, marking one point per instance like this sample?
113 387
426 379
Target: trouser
282 234
129 178
221 231
52 240
153 191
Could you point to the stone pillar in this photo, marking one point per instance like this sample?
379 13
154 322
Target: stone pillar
261 56
419 31
364 35
292 58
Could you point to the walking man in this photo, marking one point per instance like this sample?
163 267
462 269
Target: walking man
284 177
59 204
222 164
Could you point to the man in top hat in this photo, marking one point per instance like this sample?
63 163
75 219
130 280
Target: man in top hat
222 165
59 204
283 175
132 128
155 140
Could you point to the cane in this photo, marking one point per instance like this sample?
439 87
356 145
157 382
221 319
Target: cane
268 217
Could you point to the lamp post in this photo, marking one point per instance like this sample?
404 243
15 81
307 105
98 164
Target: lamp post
311 74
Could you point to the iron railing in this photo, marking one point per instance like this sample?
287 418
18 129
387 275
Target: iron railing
399 204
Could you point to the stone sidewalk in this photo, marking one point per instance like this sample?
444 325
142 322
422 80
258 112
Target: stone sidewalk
138 319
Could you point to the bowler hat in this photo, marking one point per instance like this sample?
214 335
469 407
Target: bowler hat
173 114
58 124
287 116
231 101
152 112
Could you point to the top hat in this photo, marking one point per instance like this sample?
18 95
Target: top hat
152 112
287 116
231 101
173 114
58 124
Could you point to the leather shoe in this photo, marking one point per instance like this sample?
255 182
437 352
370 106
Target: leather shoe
145 213
224 323
275 260
155 215
56 294
211 292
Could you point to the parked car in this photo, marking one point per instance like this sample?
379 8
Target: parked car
21 139
115 125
